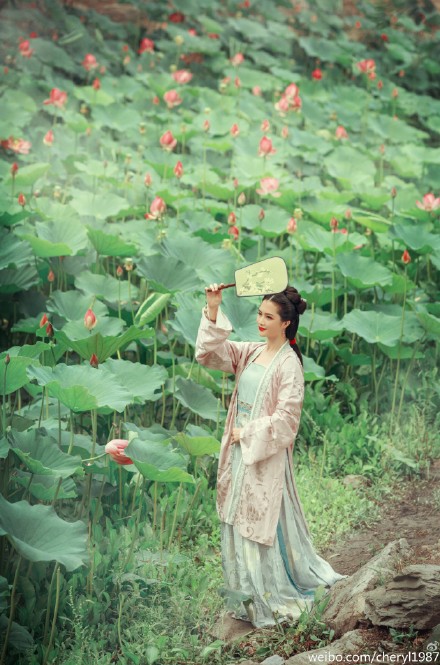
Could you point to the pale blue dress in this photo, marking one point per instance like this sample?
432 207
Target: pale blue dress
281 578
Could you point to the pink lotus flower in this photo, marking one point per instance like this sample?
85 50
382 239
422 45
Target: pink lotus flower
265 126
283 105
261 215
19 146
237 59
148 180
269 186
291 91
172 98
25 48
115 448
157 209
96 85
285 132
57 97
206 126
429 204
237 82
48 138
265 148
333 223
366 66
178 170
90 319
291 226
146 46
182 76
89 62
256 90
341 132
167 141
232 218
156 100
235 131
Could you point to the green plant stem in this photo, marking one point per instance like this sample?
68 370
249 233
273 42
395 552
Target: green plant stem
173 526
398 357
11 610
55 615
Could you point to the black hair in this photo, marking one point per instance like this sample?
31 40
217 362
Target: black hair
290 307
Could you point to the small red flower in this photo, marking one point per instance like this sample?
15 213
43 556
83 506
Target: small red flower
49 330
51 276
178 170
148 180
43 320
96 84
206 126
115 448
48 138
265 147
182 76
406 257
146 46
14 169
317 74
232 218
384 37
234 231
291 226
57 98
261 215
172 99
237 59
235 131
157 209
176 17
89 62
25 48
213 35
333 223
119 271
167 141
21 200
94 360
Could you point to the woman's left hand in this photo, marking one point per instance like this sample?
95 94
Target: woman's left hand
236 434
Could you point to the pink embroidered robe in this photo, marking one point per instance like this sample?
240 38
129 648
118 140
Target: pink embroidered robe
254 510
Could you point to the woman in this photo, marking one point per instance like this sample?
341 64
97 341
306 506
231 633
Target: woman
267 553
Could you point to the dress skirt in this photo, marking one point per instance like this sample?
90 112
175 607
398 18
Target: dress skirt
280 579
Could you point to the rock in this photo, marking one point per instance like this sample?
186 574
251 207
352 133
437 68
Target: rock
432 643
229 629
356 480
350 643
272 660
411 597
346 608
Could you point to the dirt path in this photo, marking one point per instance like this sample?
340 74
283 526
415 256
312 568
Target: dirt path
411 513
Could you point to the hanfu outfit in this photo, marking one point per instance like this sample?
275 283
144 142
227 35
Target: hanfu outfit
267 552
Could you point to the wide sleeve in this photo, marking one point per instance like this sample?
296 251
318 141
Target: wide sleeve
213 348
263 437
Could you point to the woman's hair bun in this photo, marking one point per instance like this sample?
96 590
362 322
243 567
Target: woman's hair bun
295 298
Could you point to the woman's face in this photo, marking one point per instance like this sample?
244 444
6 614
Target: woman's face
269 321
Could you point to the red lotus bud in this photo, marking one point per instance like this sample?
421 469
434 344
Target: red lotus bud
49 330
14 169
21 200
94 360
7 359
406 257
43 320
51 276
89 319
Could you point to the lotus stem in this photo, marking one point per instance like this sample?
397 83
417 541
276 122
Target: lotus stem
55 615
11 610
173 526
154 505
162 418
398 354
190 507
136 528
416 346
49 599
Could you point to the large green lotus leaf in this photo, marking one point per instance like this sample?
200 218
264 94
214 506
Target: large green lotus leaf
168 275
38 534
106 287
41 455
19 637
57 238
15 373
198 399
242 313
187 316
81 387
274 223
144 382
150 309
158 461
51 54
313 237
97 168
374 197
400 284
374 326
4 448
350 167
91 96
44 488
109 245
319 325
70 304
102 347
198 374
249 217
321 211
400 351
14 253
430 323
28 175
106 326
12 281
394 130
100 205
416 237
371 220
198 445
362 271
314 372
